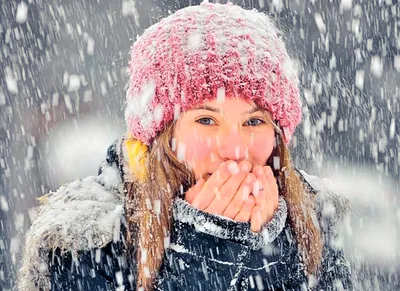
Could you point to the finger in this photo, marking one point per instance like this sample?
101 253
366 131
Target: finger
194 190
257 170
229 189
212 185
271 179
245 213
256 219
237 202
261 187
273 193
262 199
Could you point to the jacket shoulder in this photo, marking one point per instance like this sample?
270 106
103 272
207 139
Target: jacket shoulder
331 210
332 207
79 216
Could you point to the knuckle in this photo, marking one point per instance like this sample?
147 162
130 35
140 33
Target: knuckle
269 173
258 170
225 195
251 201
237 204
247 208
243 216
219 176
250 178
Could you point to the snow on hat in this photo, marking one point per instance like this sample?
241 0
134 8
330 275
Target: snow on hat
204 52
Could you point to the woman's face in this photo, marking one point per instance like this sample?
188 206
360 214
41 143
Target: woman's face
217 131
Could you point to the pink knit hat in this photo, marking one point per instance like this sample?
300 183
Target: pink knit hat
204 52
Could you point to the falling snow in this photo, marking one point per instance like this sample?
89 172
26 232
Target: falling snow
346 4
320 22
376 66
22 12
63 84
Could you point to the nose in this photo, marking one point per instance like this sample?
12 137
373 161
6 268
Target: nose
231 144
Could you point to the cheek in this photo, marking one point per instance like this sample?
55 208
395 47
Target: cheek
260 150
197 149
200 155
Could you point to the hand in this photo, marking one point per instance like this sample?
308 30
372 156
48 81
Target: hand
234 192
227 192
265 192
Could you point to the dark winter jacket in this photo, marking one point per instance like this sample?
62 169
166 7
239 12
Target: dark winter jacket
77 243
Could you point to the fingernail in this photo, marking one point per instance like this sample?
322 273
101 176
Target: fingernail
233 168
245 167
249 178
256 187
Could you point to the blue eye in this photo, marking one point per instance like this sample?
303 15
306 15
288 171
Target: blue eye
254 122
205 121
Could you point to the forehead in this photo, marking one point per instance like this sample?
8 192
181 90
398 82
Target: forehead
229 102
233 106
227 105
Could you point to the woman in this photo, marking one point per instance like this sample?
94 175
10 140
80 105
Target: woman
201 193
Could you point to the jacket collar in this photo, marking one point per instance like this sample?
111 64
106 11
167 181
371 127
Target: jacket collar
225 228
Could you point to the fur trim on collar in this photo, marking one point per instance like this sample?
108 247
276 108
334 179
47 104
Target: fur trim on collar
226 228
331 209
78 216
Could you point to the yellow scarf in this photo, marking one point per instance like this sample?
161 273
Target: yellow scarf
137 153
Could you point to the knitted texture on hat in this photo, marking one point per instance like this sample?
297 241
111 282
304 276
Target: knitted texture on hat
204 52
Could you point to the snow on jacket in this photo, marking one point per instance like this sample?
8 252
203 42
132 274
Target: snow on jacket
76 242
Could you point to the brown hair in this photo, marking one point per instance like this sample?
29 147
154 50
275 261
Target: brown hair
149 207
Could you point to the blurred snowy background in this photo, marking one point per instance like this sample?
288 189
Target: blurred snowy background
63 82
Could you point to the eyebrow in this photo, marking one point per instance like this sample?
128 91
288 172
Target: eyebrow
213 109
